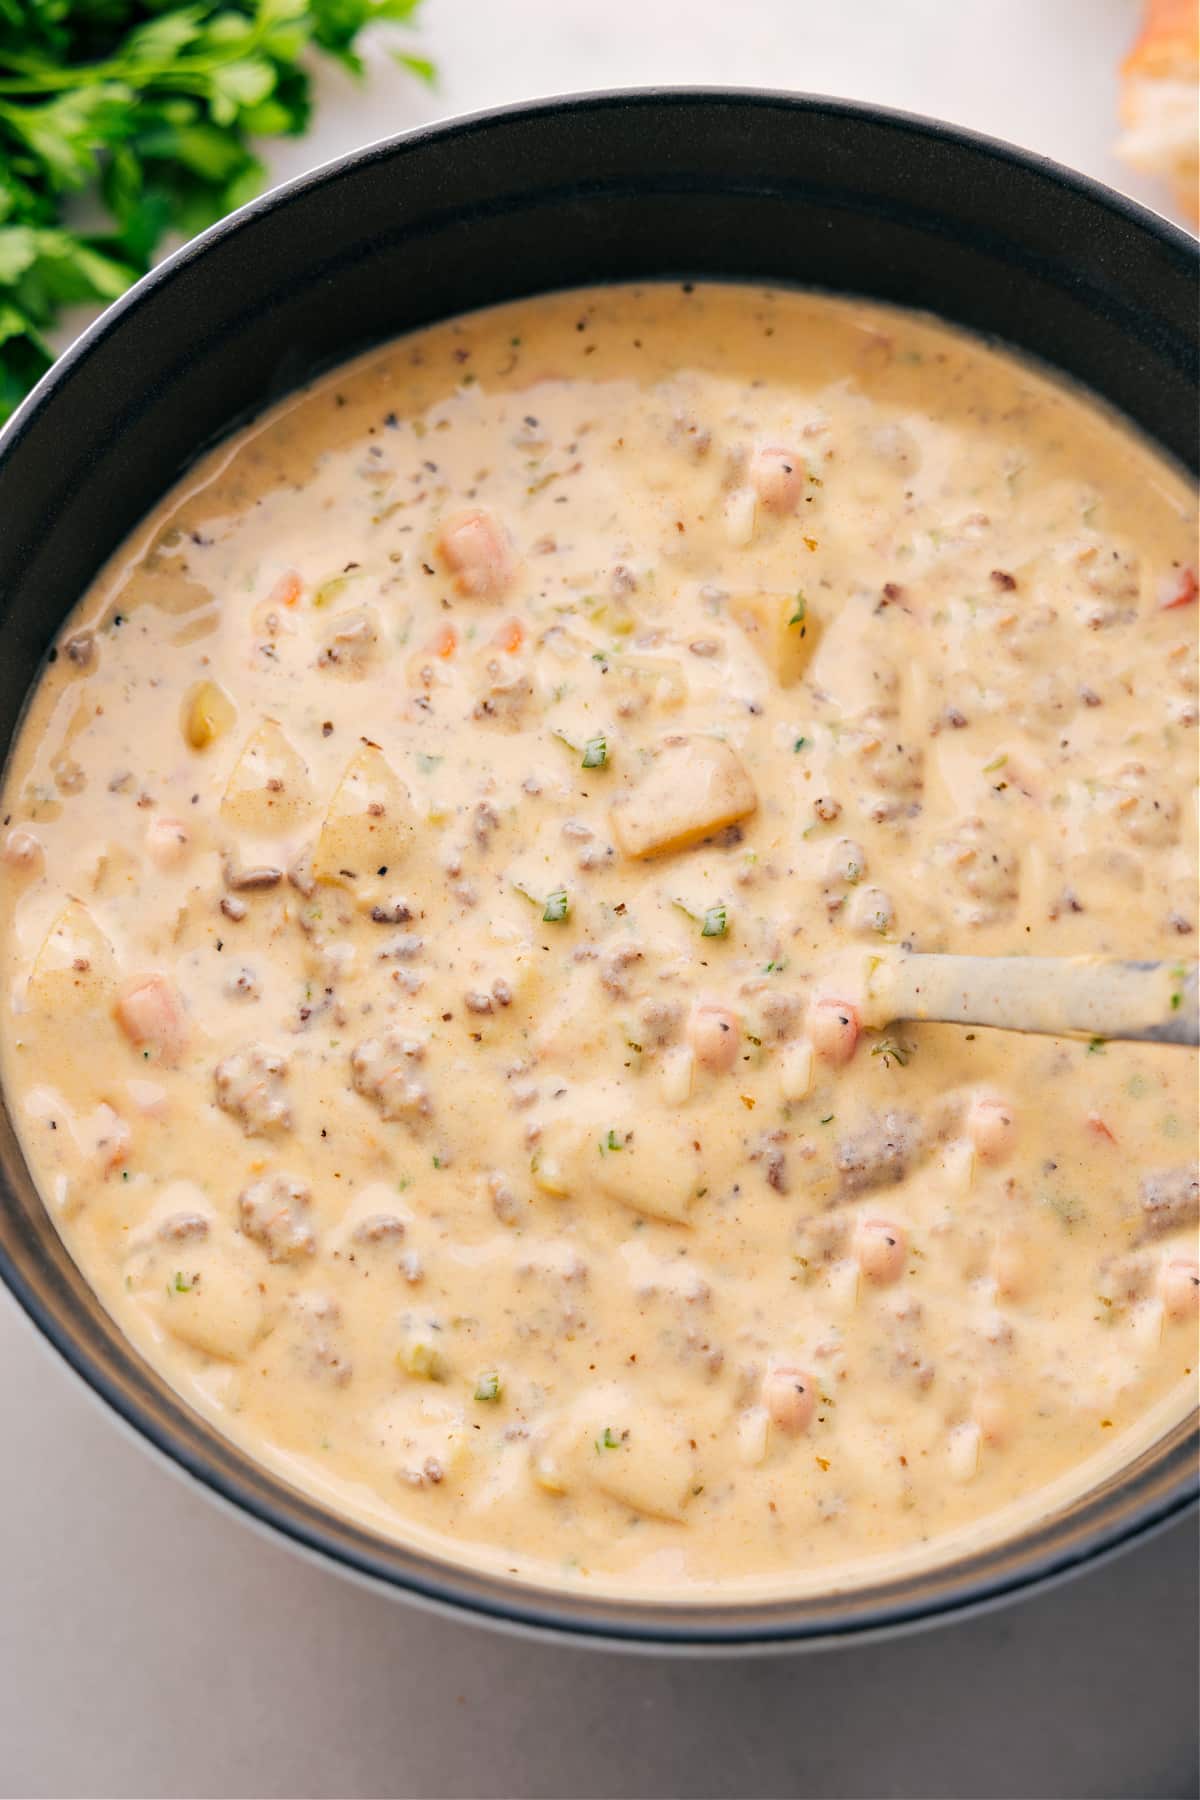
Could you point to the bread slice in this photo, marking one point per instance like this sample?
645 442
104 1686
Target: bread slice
1160 98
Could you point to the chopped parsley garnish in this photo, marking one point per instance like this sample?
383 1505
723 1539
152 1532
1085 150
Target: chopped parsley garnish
421 1359
608 1441
801 743
716 922
800 614
1096 1047
182 1284
487 1388
557 908
892 1051
595 753
611 1141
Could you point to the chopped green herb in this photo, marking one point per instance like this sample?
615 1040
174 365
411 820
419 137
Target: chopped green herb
801 743
557 908
997 762
800 614
149 112
775 968
611 1142
716 922
595 753
182 1284
1066 1208
609 1440
487 1388
828 1119
1096 1046
891 1050
437 1162
421 1359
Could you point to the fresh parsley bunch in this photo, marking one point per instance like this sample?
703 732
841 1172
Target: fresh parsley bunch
147 110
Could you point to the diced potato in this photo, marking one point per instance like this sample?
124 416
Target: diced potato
75 968
548 1471
369 825
796 1069
152 1017
694 787
650 1166
213 1303
635 1453
782 629
421 1357
962 1451
956 1165
641 682
632 1450
677 1075
740 516
752 1433
208 713
557 1161
268 790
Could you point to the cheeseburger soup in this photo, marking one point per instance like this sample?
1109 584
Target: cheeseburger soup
439 866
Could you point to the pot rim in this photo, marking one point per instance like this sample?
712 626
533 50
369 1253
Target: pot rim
922 1599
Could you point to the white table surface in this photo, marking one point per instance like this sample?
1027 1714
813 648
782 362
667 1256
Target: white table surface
153 1645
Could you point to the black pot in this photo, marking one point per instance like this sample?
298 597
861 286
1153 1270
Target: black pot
611 187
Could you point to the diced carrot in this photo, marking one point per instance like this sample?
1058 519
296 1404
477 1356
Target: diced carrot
510 636
444 641
1183 592
1096 1124
287 590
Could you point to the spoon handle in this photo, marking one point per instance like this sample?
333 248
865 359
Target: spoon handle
1080 996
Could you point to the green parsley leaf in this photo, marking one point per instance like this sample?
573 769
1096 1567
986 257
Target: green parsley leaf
716 922
557 908
146 110
608 1441
595 753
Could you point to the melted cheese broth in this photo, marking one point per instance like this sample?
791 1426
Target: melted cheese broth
441 860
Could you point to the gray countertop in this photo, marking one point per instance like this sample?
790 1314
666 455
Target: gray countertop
153 1645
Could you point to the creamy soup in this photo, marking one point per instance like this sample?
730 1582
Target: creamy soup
442 861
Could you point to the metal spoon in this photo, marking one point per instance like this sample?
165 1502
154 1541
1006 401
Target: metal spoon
1077 996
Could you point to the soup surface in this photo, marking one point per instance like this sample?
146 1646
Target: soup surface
442 861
